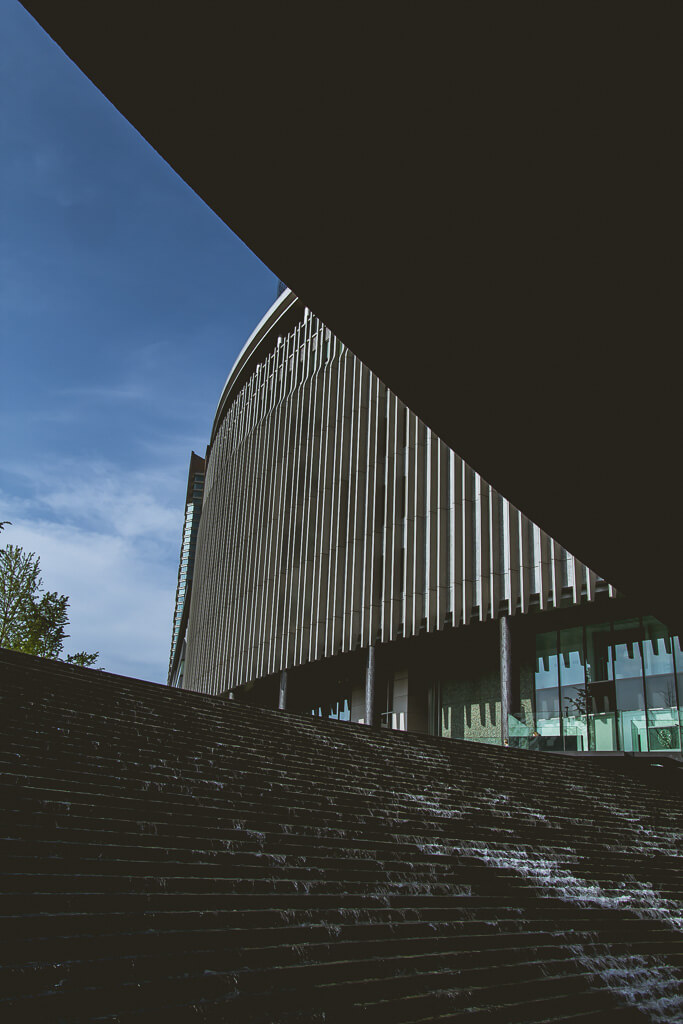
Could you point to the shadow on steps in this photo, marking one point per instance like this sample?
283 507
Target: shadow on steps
168 855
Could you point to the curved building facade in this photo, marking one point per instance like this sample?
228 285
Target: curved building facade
348 558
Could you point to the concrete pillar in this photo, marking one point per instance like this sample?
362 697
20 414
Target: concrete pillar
370 714
505 678
282 700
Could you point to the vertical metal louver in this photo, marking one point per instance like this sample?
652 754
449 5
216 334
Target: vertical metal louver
333 517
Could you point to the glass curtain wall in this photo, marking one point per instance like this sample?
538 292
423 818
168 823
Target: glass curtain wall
610 686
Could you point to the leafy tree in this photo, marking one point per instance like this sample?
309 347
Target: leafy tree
32 620
19 583
82 658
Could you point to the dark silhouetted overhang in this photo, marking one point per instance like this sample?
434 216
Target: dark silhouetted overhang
483 208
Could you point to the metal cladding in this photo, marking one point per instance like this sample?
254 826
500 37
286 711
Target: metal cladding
333 518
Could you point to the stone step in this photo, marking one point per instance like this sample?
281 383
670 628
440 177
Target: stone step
546 916
584 1007
91 937
267 962
159 806
170 856
83 859
336 985
556 768
224 759
223 779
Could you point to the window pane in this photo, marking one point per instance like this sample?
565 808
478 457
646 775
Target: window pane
597 645
632 727
574 725
664 732
547 694
602 730
571 657
573 689
627 666
678 657
661 691
546 661
658 654
660 687
625 654
600 699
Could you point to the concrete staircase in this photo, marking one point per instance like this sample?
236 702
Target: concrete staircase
173 857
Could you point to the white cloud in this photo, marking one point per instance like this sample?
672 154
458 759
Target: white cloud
108 538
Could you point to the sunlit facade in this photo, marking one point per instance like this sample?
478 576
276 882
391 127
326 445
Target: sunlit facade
350 564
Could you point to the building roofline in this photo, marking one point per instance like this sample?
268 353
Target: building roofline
251 352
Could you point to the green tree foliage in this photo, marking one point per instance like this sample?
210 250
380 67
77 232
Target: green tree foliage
82 658
32 620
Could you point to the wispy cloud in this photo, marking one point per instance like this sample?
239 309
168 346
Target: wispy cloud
101 497
109 538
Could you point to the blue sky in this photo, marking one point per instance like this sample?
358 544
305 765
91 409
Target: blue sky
124 301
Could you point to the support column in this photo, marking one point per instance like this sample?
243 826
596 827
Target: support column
370 716
282 700
505 678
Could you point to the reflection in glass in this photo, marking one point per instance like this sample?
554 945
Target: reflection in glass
600 699
339 710
571 658
625 652
548 724
626 662
663 725
602 733
573 689
520 730
658 651
546 674
632 729
678 656
613 687
597 645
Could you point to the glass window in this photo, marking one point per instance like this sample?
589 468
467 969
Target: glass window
571 659
547 672
677 648
597 645
625 651
658 660
573 689
600 697
626 663
548 725
663 725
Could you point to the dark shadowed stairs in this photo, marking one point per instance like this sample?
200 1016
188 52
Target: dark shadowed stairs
173 857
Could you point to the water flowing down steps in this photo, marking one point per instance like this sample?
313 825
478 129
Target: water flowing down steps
169 856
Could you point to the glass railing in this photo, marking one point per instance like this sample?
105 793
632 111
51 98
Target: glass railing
634 731
663 730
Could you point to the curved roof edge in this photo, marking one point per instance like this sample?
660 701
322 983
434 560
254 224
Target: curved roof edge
250 351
